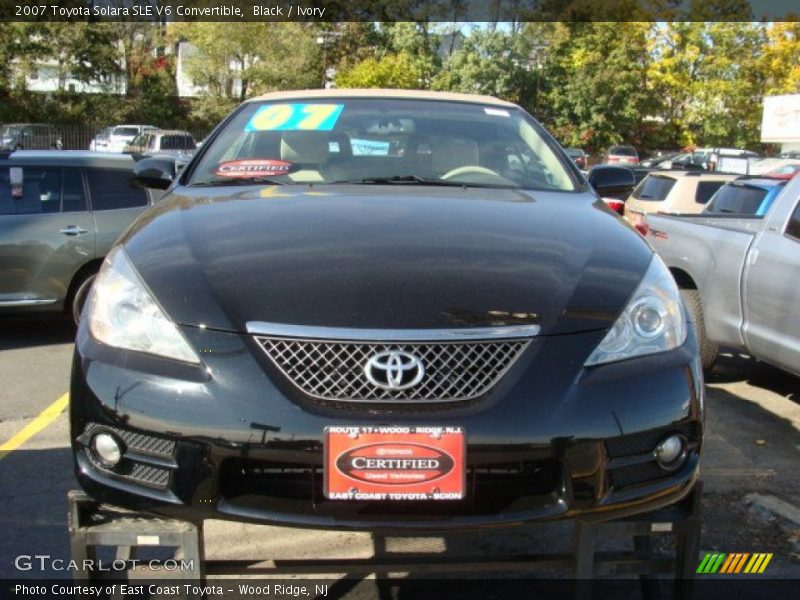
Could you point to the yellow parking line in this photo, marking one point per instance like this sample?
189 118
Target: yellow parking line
42 420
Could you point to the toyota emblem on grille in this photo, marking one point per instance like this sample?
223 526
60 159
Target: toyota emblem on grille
394 370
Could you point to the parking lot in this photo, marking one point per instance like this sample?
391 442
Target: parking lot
752 446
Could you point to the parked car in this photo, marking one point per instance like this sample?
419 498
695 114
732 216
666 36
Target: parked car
29 136
621 154
738 275
160 141
100 142
785 172
333 340
711 159
672 192
657 161
682 161
122 135
578 156
60 212
745 196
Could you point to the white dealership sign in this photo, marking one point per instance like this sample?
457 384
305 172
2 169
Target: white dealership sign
781 120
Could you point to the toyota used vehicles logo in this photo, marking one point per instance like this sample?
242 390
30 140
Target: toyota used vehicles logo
394 370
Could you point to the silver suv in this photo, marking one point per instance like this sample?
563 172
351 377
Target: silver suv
60 212
672 192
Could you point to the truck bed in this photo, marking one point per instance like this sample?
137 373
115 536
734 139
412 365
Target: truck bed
708 252
745 224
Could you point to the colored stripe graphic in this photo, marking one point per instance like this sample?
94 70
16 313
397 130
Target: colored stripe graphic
711 562
764 564
728 564
740 563
701 568
734 563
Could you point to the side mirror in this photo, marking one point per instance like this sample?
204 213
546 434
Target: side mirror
612 182
155 173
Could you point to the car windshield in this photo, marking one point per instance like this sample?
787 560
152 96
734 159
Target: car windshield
10 130
737 199
177 142
574 152
389 140
125 131
654 188
623 151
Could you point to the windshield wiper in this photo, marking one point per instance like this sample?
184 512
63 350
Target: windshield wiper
240 181
415 180
399 179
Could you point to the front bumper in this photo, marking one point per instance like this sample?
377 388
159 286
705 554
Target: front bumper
229 440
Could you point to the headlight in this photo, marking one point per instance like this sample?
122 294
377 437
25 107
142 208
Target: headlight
653 321
123 313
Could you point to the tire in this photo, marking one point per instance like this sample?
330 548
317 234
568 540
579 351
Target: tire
708 349
80 295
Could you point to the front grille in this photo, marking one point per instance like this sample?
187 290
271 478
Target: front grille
634 474
298 488
334 370
143 474
644 441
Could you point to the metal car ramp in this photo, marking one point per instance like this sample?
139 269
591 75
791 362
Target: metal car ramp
92 525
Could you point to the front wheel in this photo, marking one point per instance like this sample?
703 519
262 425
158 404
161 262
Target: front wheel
709 351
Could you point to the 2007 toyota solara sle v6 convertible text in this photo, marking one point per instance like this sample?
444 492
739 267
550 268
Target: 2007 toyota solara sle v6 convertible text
382 310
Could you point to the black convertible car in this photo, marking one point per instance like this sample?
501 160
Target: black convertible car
382 310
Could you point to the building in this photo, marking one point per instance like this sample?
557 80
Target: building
780 123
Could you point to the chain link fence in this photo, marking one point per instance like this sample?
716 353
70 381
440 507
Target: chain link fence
140 138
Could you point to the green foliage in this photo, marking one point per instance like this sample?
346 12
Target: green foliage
597 87
493 63
261 57
711 79
780 60
390 71
656 85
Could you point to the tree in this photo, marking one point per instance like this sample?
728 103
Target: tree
236 60
711 81
419 43
492 62
779 60
390 71
598 90
81 51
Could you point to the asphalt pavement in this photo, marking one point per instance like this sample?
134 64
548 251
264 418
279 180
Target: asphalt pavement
752 445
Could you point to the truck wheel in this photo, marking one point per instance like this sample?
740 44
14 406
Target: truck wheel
79 298
708 349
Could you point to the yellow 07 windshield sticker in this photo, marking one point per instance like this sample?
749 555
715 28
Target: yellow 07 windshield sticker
295 117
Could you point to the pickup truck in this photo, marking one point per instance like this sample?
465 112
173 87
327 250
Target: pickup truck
739 277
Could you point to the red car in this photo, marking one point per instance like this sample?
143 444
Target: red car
625 155
785 172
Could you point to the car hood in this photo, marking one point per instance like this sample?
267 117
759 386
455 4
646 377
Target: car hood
391 257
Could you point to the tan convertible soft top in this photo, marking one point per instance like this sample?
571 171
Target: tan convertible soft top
381 93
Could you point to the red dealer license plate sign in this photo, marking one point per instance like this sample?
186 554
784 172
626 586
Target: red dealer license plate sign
394 463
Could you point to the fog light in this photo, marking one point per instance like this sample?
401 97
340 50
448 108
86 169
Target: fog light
671 452
106 449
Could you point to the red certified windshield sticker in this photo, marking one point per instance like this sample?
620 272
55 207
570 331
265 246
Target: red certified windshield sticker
254 168
394 463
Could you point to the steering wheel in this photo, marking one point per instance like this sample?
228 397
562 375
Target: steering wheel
476 174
